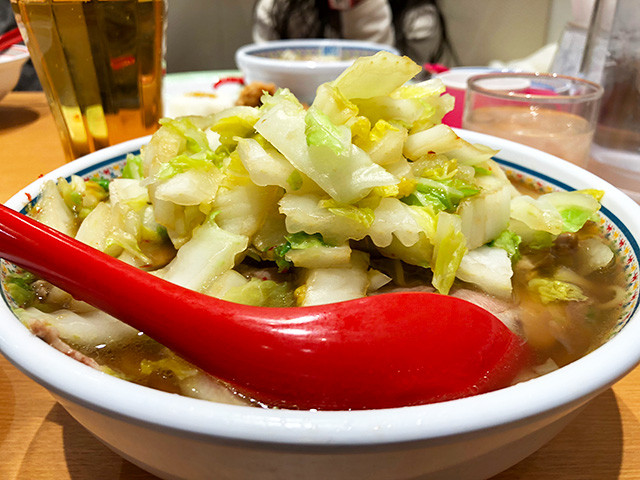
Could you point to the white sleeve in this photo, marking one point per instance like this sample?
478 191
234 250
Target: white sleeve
369 20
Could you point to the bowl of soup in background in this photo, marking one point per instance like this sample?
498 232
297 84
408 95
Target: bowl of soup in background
302 65
175 437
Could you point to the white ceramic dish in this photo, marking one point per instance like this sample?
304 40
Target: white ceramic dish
265 62
11 62
199 93
176 437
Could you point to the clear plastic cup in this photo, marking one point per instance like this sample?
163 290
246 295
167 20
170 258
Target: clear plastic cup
554 113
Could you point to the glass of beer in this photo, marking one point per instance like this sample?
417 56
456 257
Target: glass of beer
554 113
100 63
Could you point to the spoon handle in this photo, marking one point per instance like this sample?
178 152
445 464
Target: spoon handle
129 294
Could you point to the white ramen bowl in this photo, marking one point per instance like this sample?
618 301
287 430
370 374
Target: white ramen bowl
302 65
176 437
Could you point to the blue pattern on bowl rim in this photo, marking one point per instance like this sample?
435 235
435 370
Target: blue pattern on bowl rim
614 231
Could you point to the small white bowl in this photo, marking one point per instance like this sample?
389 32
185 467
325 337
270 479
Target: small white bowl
176 437
302 65
11 62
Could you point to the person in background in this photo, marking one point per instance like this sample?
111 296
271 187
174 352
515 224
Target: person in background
28 78
415 27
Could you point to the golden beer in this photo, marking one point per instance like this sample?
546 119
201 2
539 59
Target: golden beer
100 63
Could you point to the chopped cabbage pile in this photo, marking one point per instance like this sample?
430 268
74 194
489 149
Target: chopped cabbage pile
367 170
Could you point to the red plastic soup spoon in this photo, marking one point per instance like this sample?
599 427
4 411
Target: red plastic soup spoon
383 351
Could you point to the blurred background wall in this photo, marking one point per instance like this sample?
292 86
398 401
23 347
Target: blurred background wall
504 30
204 34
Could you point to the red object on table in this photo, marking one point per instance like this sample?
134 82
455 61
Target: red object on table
222 81
435 68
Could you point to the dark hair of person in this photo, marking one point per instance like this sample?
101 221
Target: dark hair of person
305 19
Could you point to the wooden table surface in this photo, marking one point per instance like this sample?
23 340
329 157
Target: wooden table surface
40 441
